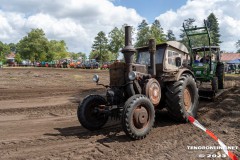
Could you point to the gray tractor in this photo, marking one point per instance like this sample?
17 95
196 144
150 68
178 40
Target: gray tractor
159 78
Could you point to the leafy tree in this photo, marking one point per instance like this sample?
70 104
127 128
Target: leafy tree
18 58
83 55
100 46
107 57
34 46
170 36
73 55
214 29
116 41
4 50
57 50
2 57
76 56
13 47
238 46
42 57
143 34
156 32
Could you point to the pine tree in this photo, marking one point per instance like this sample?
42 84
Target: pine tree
100 46
188 24
143 34
116 41
238 46
214 29
170 36
157 33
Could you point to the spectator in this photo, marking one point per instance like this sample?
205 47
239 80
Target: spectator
197 60
207 59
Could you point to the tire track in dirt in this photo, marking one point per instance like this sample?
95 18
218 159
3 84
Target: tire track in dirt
40 107
111 143
44 142
53 132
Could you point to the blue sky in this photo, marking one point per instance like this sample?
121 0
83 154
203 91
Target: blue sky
152 8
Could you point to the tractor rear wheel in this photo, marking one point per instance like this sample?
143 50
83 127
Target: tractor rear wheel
89 114
138 116
182 98
221 75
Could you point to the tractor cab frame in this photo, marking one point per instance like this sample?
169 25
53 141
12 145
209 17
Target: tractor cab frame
205 59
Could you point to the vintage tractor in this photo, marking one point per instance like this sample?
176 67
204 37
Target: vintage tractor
209 68
159 78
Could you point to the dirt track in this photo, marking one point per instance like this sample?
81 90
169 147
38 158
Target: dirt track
38 121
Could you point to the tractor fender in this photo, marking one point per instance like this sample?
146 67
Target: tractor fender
182 71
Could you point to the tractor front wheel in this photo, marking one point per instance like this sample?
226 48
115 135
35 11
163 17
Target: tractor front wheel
89 114
138 116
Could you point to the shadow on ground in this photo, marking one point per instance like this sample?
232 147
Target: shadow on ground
112 131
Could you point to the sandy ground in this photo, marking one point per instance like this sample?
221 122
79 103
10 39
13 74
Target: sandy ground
38 121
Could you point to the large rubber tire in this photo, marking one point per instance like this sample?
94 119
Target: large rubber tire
138 117
221 75
87 115
182 98
215 84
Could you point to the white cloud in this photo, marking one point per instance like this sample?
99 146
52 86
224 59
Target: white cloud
227 12
75 21
78 21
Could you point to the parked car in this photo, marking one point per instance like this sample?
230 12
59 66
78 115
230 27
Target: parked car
91 64
74 63
63 63
105 65
26 63
11 62
79 64
51 64
37 64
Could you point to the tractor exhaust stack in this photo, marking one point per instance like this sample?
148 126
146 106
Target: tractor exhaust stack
128 52
129 49
152 51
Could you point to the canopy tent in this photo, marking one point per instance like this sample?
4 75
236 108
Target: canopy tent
235 61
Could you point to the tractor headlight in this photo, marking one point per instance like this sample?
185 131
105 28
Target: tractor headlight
95 78
132 75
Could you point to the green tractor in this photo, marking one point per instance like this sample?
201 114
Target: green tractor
205 61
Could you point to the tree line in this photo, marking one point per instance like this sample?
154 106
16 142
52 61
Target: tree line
36 47
107 47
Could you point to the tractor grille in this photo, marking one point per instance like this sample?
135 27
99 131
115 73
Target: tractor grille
117 74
